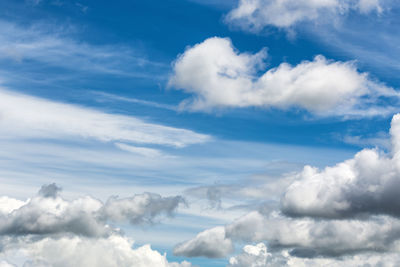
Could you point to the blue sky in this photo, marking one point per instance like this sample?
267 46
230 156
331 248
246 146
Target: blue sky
217 108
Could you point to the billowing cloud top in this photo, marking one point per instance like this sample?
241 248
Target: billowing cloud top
348 213
51 231
219 76
47 213
368 183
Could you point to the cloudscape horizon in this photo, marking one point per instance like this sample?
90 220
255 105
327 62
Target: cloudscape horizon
188 133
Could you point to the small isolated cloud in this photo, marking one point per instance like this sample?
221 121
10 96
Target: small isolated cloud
219 76
380 139
255 15
141 208
82 7
211 243
213 194
50 190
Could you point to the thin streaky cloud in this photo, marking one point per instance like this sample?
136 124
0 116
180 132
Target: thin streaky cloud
52 47
25 116
102 96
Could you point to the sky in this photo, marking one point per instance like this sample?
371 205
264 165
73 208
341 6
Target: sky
183 133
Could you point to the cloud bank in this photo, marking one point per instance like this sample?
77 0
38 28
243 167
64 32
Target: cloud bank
48 230
78 251
345 215
259 256
219 76
48 213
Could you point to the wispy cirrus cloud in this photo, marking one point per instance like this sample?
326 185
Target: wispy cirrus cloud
38 47
24 116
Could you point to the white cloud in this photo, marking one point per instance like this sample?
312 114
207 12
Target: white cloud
142 151
211 243
310 238
254 15
252 256
221 77
86 216
303 237
82 252
258 256
367 183
24 116
6 264
47 230
345 215
8 204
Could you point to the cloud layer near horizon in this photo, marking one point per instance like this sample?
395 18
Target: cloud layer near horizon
51 231
48 213
345 214
78 251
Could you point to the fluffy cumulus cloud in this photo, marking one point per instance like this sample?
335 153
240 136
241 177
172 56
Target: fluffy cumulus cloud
367 183
47 230
305 237
308 237
345 215
78 251
211 243
219 76
254 15
252 256
48 213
